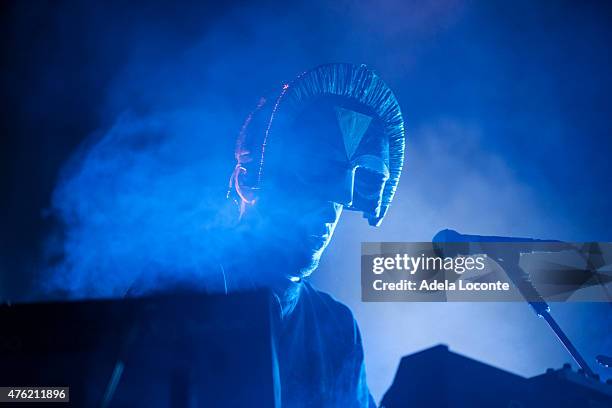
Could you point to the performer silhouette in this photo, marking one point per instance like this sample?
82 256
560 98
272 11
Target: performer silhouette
331 140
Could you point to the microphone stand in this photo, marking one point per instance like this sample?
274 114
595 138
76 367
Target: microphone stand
508 257
510 263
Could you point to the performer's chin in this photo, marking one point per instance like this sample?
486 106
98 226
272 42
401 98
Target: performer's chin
309 257
307 270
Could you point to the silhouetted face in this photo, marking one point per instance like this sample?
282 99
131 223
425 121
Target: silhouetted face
331 158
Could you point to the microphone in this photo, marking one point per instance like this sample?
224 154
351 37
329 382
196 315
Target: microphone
450 243
449 235
459 244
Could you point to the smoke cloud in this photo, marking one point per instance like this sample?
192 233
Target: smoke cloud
139 205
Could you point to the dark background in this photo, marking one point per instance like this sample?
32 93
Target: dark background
507 108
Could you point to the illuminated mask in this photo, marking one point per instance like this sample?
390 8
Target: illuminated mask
339 115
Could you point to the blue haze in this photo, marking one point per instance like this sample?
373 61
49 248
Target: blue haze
507 114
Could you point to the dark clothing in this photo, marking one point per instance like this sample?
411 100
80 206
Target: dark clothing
320 353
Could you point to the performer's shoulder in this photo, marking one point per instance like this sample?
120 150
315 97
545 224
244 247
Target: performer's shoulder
327 306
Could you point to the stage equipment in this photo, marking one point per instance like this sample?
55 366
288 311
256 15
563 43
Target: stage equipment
451 243
187 350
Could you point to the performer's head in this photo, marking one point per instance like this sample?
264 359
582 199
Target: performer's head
333 140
